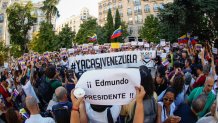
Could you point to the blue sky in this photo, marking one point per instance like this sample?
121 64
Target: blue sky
68 8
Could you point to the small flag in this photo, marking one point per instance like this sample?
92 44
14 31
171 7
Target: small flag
117 33
93 38
165 63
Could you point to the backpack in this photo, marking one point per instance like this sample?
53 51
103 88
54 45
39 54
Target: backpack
45 90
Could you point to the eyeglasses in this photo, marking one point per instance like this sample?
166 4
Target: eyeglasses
166 99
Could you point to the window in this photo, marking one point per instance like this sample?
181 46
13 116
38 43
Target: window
138 18
120 5
129 11
137 9
155 7
130 20
147 8
161 6
137 2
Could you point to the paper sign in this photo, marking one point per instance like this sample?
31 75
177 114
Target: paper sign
162 42
102 88
5 65
115 45
140 43
147 45
214 50
133 43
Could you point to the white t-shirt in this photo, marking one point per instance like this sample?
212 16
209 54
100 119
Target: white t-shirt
39 119
101 117
29 91
163 113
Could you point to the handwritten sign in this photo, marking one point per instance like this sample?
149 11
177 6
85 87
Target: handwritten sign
102 88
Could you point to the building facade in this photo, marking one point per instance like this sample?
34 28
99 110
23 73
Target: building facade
37 12
75 21
133 12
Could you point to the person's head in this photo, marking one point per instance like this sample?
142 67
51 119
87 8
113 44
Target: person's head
50 71
159 79
176 65
184 54
13 116
169 96
188 63
208 85
178 83
206 69
32 105
146 80
4 82
61 94
188 78
199 103
199 69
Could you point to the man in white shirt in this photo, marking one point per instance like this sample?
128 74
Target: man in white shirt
35 117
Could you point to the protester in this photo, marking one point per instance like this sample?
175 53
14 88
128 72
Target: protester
207 89
33 107
13 116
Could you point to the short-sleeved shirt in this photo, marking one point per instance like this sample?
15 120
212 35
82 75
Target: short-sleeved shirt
186 114
39 119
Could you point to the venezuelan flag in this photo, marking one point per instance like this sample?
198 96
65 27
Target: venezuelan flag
117 33
183 39
93 38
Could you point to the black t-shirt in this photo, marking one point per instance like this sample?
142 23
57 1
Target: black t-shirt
186 114
160 88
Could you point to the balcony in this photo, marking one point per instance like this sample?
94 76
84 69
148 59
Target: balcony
130 22
129 13
138 21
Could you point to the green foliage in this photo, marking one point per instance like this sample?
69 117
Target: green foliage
125 33
50 9
87 29
20 21
3 53
117 25
150 29
45 40
109 26
65 37
199 17
102 34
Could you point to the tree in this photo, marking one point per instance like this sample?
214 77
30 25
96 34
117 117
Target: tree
45 40
150 29
102 35
87 29
20 21
109 26
125 33
65 37
3 53
50 9
196 16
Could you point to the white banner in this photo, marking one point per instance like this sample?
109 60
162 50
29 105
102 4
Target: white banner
112 60
116 88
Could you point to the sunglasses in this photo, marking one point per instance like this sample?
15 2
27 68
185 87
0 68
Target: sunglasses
166 99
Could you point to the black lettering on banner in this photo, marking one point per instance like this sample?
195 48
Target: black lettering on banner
83 65
97 63
97 82
89 85
73 66
112 60
104 61
92 63
77 62
106 97
134 58
116 62
87 64
131 95
120 58
128 59
108 61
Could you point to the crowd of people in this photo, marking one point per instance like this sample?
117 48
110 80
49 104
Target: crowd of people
38 88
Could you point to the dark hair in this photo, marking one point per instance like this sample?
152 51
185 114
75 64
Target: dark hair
176 64
178 83
172 90
161 70
189 61
11 116
146 80
3 78
50 71
199 67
